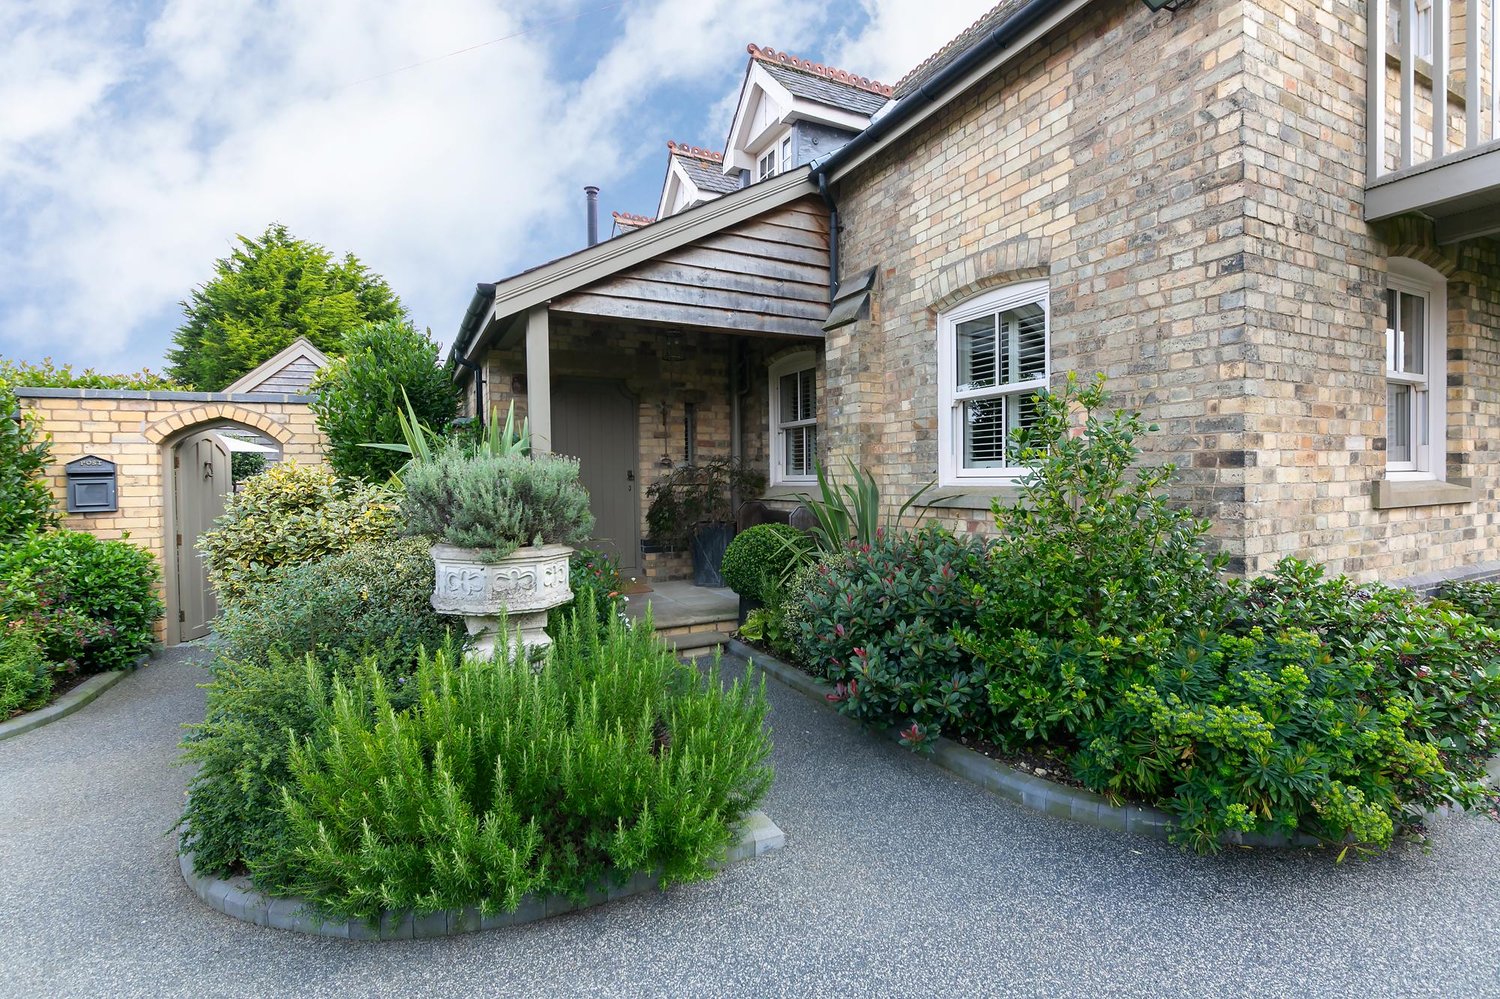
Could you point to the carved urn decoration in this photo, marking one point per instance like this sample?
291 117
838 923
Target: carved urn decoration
522 587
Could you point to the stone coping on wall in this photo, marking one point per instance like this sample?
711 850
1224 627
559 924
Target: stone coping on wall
23 392
1058 800
237 898
65 705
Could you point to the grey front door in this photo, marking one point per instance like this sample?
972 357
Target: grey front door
595 422
200 479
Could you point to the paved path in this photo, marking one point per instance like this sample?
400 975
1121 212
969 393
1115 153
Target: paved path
897 879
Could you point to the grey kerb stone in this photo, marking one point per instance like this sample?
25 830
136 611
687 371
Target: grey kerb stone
235 897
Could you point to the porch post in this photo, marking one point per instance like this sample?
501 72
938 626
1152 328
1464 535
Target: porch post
539 380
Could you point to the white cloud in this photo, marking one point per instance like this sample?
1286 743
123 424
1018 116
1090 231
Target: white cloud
131 153
900 34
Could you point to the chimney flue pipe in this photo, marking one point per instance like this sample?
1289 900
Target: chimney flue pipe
592 193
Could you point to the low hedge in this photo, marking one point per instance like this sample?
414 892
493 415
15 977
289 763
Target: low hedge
90 603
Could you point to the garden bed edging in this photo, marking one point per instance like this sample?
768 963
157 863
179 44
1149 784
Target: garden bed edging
72 701
237 898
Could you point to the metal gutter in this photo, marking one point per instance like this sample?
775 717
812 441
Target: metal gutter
935 90
473 321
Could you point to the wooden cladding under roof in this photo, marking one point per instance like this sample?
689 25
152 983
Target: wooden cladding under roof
766 276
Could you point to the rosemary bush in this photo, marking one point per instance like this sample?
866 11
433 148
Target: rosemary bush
500 781
496 501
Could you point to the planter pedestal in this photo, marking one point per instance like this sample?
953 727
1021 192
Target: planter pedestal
520 588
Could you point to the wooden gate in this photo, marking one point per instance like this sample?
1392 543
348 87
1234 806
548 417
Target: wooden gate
201 478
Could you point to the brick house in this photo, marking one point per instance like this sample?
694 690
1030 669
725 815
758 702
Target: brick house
1188 201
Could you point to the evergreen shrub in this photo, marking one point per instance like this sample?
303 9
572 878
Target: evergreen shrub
25 673
90 603
25 501
374 599
760 560
290 515
879 624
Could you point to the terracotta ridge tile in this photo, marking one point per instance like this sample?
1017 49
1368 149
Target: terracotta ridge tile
818 69
694 152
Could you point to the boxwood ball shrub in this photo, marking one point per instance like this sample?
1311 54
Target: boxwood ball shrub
879 623
291 514
90 603
761 557
498 502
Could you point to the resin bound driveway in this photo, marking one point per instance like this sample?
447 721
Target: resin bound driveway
897 879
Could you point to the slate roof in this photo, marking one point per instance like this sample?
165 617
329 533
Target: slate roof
704 168
823 84
970 36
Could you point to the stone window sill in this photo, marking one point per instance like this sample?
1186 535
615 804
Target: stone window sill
789 491
1393 494
978 498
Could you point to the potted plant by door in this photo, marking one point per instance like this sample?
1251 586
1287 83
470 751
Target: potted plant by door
692 506
503 524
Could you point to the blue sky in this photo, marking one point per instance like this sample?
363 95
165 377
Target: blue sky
137 138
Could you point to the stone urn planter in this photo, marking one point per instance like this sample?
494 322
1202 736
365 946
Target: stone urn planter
522 587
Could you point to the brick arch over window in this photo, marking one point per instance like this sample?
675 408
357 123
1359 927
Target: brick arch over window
1011 262
162 429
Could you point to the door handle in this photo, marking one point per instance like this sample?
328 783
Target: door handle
630 475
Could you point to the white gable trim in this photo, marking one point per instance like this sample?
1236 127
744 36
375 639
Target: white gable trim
759 85
300 349
678 182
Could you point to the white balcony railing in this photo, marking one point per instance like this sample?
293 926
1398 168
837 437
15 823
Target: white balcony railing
1433 70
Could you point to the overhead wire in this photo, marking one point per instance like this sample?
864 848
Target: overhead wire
471 48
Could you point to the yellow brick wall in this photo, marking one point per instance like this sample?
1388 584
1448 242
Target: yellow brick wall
136 430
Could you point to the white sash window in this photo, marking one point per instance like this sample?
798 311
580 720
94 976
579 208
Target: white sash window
993 356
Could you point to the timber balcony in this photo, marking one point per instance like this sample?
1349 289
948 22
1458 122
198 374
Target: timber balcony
1434 114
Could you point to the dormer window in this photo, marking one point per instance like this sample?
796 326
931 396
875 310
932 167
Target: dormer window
767 166
781 96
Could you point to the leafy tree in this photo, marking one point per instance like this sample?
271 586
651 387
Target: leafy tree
359 396
49 374
267 293
25 501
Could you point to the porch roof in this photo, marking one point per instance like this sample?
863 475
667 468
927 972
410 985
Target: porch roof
754 261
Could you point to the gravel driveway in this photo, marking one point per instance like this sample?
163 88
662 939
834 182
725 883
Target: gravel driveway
897 879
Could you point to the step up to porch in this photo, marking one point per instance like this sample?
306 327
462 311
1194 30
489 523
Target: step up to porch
689 616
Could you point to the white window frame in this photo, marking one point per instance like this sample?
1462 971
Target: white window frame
786 153
765 164
802 360
1429 459
950 401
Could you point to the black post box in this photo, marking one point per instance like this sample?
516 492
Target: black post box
91 485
